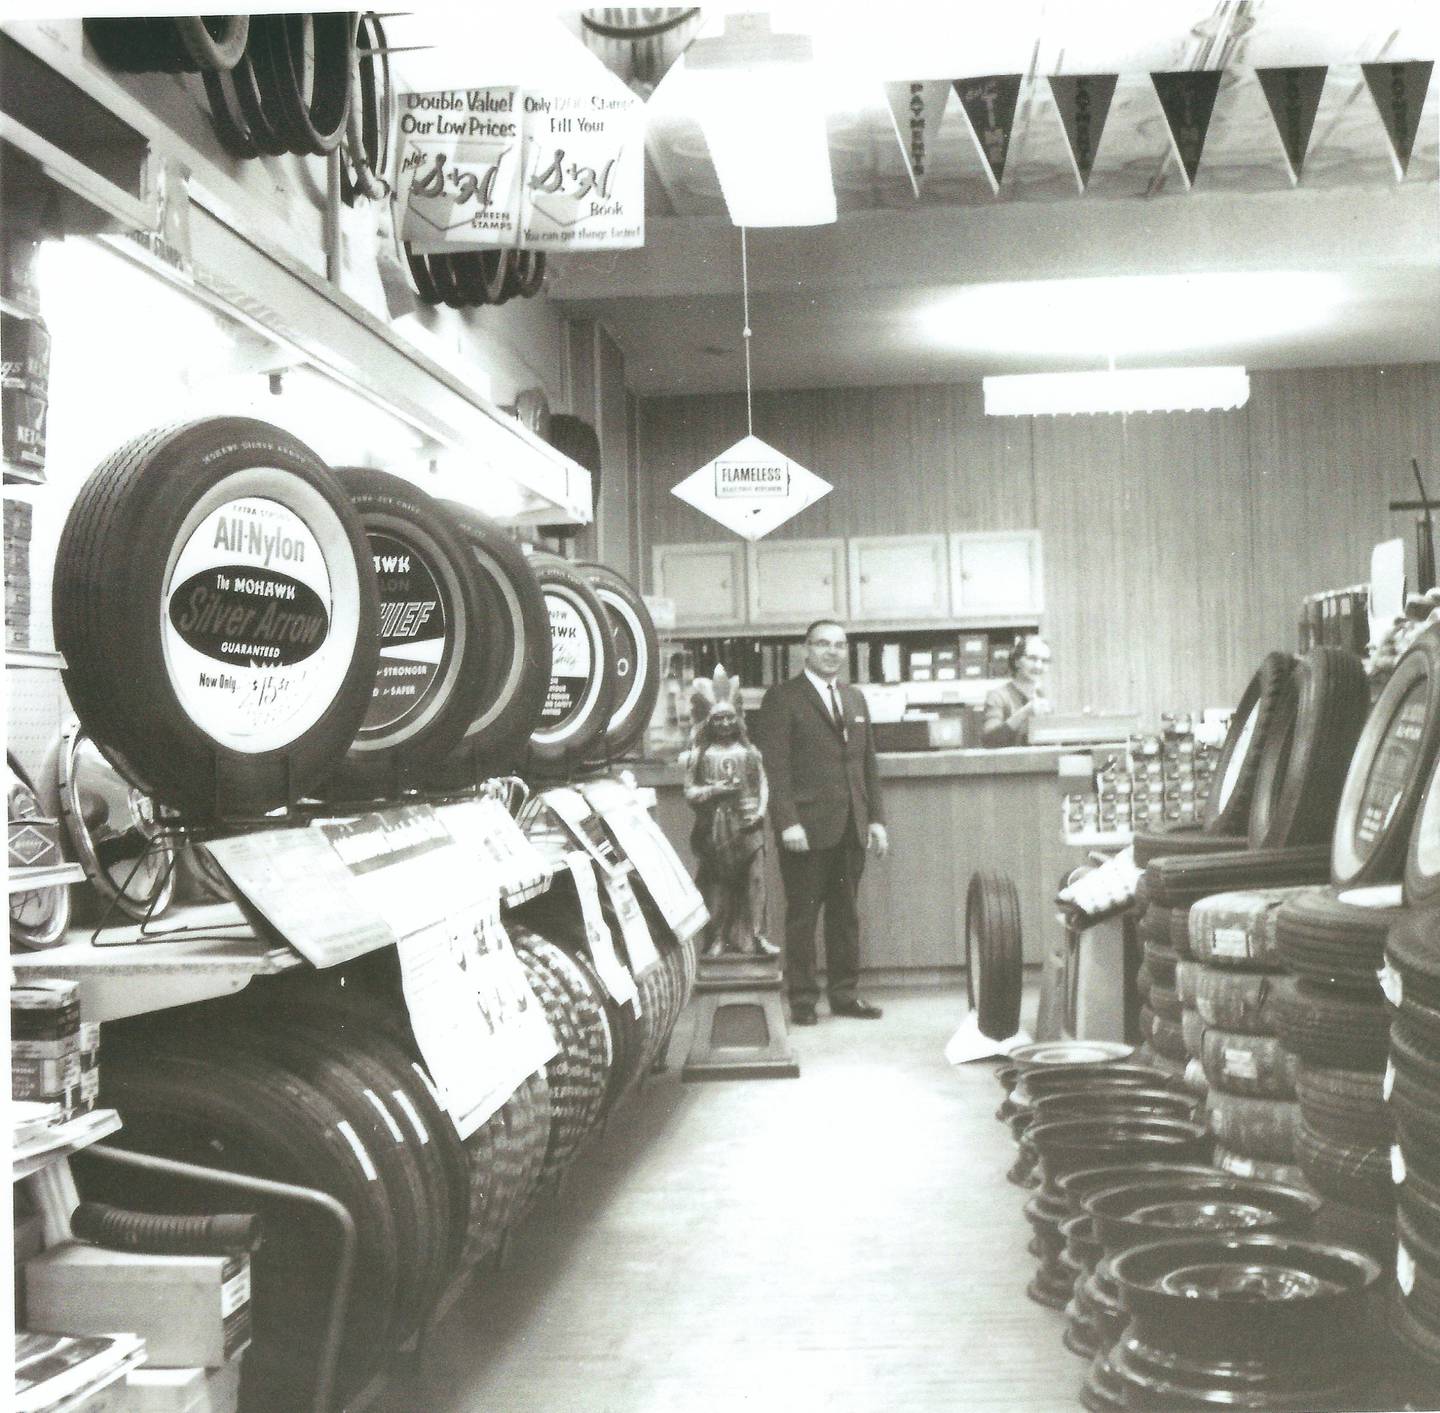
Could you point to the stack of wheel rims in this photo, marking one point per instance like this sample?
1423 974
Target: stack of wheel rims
1058 1086
1094 1317
1107 1138
1125 1210
1247 1319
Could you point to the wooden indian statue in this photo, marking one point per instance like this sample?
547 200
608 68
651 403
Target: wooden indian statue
726 787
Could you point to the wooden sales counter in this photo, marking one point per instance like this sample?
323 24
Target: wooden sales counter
949 813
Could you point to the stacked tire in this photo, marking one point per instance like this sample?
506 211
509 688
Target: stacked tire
1171 885
1334 1020
1233 978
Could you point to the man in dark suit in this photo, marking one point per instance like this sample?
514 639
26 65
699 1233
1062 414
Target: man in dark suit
825 807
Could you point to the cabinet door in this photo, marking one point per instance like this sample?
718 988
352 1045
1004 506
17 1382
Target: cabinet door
898 577
996 573
796 581
707 582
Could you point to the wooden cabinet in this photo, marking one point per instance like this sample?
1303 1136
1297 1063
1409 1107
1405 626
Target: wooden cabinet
996 573
898 578
706 581
796 581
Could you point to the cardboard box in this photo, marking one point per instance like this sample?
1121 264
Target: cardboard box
46 1009
184 1390
190 1310
974 645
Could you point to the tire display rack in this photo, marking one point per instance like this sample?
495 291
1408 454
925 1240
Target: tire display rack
271 1020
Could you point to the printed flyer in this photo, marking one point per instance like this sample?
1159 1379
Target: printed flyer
477 1022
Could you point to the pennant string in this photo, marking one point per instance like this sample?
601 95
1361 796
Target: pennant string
745 331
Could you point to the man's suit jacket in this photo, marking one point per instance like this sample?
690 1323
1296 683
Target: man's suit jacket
817 778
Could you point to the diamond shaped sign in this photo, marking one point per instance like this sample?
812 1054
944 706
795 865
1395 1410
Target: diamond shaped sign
751 488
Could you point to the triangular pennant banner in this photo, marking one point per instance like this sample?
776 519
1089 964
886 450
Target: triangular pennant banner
1084 104
751 488
989 105
640 45
1294 97
1188 98
1399 94
916 108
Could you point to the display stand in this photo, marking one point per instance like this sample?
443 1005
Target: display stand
739 1023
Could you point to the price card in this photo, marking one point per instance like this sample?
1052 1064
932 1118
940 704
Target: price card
583 825
477 1022
659 867
405 863
295 881
611 970
639 945
484 829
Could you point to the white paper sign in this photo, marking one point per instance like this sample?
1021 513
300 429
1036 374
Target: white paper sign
659 867
484 829
751 489
634 930
478 1024
583 825
406 865
608 966
461 168
585 168
294 880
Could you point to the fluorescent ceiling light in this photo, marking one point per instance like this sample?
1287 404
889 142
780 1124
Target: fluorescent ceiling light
758 101
1117 390
1141 318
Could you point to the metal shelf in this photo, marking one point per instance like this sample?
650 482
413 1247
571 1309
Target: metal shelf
25 880
33 657
857 628
61 1141
194 954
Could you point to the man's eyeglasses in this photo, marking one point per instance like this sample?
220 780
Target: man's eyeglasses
1036 657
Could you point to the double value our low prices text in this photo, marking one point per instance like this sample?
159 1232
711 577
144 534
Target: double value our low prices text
503 166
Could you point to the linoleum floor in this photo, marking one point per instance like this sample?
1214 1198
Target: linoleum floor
844 1241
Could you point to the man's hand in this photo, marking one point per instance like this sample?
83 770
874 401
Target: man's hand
795 839
879 841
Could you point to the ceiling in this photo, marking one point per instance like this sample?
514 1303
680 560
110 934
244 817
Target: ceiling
1246 267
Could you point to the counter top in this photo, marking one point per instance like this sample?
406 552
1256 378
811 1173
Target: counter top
895 765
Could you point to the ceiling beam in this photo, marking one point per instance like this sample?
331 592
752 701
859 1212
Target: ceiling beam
1338 229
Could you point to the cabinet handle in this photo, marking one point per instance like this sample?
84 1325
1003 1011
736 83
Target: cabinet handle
864 578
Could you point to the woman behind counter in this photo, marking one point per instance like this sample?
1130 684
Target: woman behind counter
1010 709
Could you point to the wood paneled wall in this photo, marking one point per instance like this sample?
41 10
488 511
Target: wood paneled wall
1177 546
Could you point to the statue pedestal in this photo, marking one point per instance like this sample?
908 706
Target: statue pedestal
739 1022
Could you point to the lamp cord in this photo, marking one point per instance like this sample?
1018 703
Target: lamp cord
745 331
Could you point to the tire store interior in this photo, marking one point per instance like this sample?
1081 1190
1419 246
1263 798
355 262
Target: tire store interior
724 710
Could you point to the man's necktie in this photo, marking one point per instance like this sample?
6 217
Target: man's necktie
837 713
